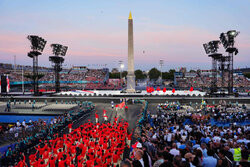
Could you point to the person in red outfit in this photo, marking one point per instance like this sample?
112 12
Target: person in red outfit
86 146
70 127
105 115
96 118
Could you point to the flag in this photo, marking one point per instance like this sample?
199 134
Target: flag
191 89
158 89
8 84
121 105
173 91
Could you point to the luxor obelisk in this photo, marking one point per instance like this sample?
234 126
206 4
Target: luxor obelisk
131 70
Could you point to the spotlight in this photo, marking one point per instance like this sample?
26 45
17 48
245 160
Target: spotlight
64 50
227 39
224 40
206 47
37 43
59 49
214 46
232 33
211 47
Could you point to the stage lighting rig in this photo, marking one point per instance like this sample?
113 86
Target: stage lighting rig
228 41
211 48
58 50
37 46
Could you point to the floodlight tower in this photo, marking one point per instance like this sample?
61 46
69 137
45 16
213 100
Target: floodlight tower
58 50
211 48
37 46
228 41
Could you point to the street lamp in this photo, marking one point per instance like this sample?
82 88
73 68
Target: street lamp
121 66
147 77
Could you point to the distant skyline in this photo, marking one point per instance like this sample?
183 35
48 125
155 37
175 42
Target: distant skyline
96 31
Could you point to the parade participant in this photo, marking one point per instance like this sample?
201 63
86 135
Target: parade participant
70 127
96 117
112 104
105 116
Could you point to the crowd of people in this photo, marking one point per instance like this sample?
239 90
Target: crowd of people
165 140
88 145
95 79
205 82
25 135
88 75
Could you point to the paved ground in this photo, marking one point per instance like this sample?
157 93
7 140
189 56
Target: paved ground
40 108
131 115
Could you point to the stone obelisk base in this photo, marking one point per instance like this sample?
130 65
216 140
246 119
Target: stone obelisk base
130 83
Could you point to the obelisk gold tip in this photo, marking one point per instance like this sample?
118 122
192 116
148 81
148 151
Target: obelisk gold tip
130 16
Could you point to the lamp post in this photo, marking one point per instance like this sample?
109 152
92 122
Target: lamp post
22 81
121 69
148 79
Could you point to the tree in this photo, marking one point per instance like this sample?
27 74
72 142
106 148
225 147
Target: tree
171 71
117 75
168 75
139 74
114 75
247 74
124 74
154 73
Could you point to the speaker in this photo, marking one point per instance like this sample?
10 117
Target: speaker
3 84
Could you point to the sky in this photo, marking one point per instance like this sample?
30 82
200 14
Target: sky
96 31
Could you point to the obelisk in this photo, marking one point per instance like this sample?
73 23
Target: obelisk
131 70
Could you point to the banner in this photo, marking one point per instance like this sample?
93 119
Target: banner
8 84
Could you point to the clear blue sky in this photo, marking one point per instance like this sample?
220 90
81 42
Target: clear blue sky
96 30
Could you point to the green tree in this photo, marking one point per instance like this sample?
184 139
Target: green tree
168 75
247 74
171 71
114 75
124 73
192 71
154 73
139 74
117 75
